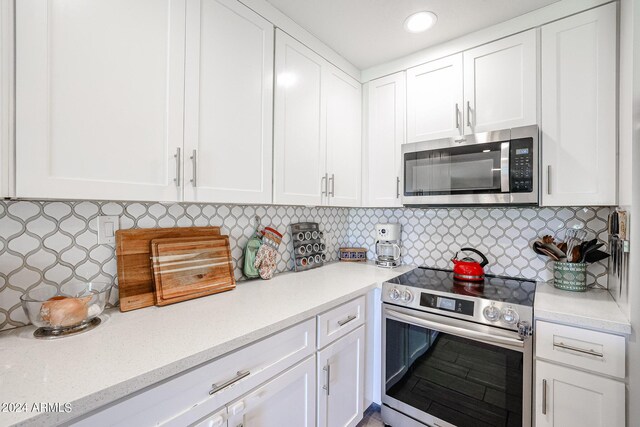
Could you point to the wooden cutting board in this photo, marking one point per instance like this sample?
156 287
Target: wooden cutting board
133 251
186 268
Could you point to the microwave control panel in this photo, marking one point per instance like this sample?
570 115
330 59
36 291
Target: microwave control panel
521 165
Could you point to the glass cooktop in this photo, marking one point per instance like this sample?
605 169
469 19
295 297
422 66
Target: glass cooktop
494 288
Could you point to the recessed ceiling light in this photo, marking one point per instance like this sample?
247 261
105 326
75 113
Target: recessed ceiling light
420 21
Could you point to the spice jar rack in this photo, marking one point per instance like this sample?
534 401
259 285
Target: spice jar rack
308 248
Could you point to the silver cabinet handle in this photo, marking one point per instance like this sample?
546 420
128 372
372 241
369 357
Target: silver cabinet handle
347 320
544 397
178 157
457 113
327 369
590 352
548 179
332 179
397 187
194 162
468 114
239 375
323 185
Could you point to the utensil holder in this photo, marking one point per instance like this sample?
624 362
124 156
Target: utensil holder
570 276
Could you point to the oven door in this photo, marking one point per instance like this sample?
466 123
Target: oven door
443 371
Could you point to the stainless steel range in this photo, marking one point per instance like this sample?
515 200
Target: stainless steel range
456 353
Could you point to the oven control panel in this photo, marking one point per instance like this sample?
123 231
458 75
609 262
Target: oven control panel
454 305
493 313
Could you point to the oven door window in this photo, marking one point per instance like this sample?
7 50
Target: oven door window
460 381
458 170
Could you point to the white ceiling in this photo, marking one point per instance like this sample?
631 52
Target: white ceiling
371 32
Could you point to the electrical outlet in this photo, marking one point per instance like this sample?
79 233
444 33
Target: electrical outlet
107 227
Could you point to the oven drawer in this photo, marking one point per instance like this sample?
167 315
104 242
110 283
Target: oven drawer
340 321
594 351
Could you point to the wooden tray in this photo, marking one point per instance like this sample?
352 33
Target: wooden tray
133 251
191 267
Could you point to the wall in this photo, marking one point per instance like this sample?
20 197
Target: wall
630 184
56 242
432 236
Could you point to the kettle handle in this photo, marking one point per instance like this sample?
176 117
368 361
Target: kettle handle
484 262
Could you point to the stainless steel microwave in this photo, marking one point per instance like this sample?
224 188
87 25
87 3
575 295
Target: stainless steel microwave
491 168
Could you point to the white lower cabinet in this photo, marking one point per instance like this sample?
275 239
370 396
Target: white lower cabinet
341 381
570 398
287 400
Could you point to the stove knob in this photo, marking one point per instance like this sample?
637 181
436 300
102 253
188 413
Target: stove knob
394 294
510 316
491 313
407 296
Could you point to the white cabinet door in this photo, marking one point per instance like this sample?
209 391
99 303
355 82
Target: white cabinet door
569 398
299 142
228 104
500 84
287 400
219 419
579 137
385 135
341 381
99 99
6 98
434 99
343 137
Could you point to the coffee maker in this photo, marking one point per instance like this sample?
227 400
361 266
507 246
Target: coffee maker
388 249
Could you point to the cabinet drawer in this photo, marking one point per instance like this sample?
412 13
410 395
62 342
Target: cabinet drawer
340 321
190 396
595 351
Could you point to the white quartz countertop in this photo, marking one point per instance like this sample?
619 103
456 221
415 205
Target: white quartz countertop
133 350
593 309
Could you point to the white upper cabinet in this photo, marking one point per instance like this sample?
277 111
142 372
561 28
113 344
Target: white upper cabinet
6 98
434 99
99 99
385 135
317 129
228 104
500 84
579 109
299 140
343 138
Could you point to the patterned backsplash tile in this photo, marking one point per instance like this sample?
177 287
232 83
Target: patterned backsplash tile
56 242
431 237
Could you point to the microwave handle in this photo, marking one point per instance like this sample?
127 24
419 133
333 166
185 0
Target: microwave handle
504 167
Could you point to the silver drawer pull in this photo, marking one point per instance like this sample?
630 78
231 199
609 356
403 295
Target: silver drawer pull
590 352
544 397
347 320
240 375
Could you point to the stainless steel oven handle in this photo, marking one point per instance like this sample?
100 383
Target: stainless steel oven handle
454 330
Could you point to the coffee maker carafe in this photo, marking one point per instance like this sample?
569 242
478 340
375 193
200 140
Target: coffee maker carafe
388 249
